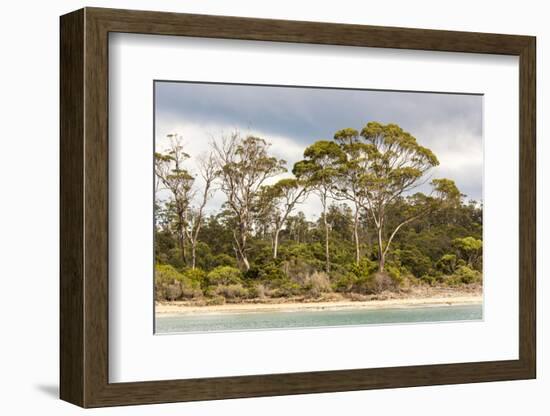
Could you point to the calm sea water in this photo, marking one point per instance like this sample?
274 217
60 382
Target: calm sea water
306 319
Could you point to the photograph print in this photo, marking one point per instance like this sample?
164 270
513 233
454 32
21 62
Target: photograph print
280 207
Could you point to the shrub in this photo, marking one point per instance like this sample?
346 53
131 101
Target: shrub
173 291
172 285
216 300
447 263
235 291
257 291
224 275
364 269
196 277
285 289
464 275
317 283
429 279
271 272
395 274
224 260
190 292
164 273
167 283
297 270
382 281
414 261
345 283
358 279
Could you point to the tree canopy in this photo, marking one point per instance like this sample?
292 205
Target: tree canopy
376 230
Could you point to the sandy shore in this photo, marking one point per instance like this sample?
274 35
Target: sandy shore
176 308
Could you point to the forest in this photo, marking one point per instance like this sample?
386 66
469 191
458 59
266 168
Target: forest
375 232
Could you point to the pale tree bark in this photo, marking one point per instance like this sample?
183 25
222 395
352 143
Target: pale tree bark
356 234
287 193
208 172
327 243
244 165
171 176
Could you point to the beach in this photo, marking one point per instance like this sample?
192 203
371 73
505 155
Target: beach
418 299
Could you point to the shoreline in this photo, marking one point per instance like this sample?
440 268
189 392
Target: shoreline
166 309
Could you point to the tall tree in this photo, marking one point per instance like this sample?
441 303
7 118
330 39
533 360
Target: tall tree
195 215
173 177
281 200
244 166
319 169
351 180
396 165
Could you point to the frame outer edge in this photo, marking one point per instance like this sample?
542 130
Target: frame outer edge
71 319
528 208
84 203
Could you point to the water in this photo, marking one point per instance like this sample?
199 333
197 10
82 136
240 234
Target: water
210 322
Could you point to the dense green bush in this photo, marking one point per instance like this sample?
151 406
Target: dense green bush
444 247
195 276
414 261
224 275
447 263
173 285
464 275
224 260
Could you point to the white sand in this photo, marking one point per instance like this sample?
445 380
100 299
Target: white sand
174 308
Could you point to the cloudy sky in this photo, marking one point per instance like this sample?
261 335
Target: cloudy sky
292 118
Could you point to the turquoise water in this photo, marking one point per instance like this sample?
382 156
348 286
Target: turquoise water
308 319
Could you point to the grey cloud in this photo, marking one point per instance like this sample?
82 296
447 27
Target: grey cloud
450 124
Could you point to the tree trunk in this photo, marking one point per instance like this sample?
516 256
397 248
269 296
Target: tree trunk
182 248
327 253
193 254
381 253
276 243
246 263
356 235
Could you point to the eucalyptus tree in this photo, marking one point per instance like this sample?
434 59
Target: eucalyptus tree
173 177
280 201
319 170
195 215
397 164
244 165
351 180
186 200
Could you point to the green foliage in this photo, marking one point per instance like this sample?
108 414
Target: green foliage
234 291
464 275
414 261
468 244
447 263
173 285
437 238
223 259
195 277
224 275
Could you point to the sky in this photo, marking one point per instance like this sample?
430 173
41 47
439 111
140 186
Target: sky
291 118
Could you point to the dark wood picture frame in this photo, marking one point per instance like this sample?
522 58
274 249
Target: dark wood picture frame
84 207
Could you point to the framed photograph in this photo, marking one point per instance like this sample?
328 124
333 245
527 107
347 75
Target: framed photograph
255 207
